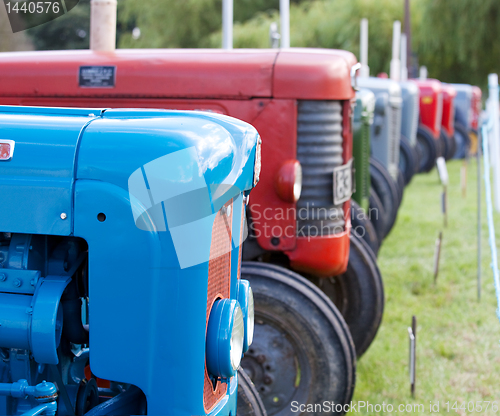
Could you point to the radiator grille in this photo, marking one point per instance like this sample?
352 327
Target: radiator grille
414 126
365 185
394 123
319 151
219 286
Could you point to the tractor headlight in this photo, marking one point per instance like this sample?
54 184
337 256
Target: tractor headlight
288 181
225 338
245 299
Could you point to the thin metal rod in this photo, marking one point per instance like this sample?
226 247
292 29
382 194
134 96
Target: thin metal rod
363 49
493 93
285 23
408 37
227 24
478 158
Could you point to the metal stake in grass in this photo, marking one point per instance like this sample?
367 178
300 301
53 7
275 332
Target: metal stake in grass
443 176
478 158
463 179
412 334
437 256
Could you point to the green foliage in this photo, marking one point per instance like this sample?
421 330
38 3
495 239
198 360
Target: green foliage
70 31
458 39
328 24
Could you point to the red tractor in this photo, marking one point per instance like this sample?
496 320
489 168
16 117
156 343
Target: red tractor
300 101
429 145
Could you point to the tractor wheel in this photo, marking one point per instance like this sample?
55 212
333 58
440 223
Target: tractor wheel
407 160
377 215
463 141
401 186
358 294
249 402
386 190
302 349
427 147
444 143
362 227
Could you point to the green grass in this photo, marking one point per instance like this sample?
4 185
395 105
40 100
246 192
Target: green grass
458 346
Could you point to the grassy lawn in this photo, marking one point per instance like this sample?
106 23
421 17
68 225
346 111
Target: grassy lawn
458 347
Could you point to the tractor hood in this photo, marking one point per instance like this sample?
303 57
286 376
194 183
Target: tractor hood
319 74
53 148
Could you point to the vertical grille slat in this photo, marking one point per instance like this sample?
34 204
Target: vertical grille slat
319 151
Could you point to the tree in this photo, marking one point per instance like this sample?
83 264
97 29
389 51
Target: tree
458 39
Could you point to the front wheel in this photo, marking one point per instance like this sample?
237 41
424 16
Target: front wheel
302 350
358 294
249 402
427 149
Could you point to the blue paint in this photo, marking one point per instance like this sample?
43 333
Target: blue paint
70 177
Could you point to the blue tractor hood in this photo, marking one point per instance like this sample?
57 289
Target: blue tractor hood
56 147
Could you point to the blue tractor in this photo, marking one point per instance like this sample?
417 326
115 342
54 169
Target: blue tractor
120 253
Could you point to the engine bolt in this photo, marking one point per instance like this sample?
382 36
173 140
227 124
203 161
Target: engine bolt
18 283
267 379
3 277
261 358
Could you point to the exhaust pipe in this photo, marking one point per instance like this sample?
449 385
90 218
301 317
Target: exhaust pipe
423 73
285 23
227 24
396 40
404 65
103 25
363 49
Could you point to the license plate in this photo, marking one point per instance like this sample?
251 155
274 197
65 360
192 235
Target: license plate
342 183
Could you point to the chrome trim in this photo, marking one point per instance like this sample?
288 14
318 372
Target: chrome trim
354 69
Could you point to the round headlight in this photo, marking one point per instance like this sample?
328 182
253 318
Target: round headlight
288 181
237 337
225 337
245 299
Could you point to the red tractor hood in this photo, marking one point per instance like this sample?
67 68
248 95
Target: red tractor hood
188 73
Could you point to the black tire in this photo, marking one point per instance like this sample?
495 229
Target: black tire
462 140
428 149
302 349
363 228
451 147
401 186
358 294
249 402
407 162
444 143
387 191
377 215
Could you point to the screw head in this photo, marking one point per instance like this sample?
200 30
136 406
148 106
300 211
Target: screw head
64 216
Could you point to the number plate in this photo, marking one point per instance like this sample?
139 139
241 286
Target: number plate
342 183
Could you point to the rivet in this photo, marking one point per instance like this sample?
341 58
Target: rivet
64 216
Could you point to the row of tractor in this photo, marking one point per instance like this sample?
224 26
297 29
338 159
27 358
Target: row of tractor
129 283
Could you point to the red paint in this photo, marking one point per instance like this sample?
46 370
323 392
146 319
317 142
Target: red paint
430 99
260 87
448 119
